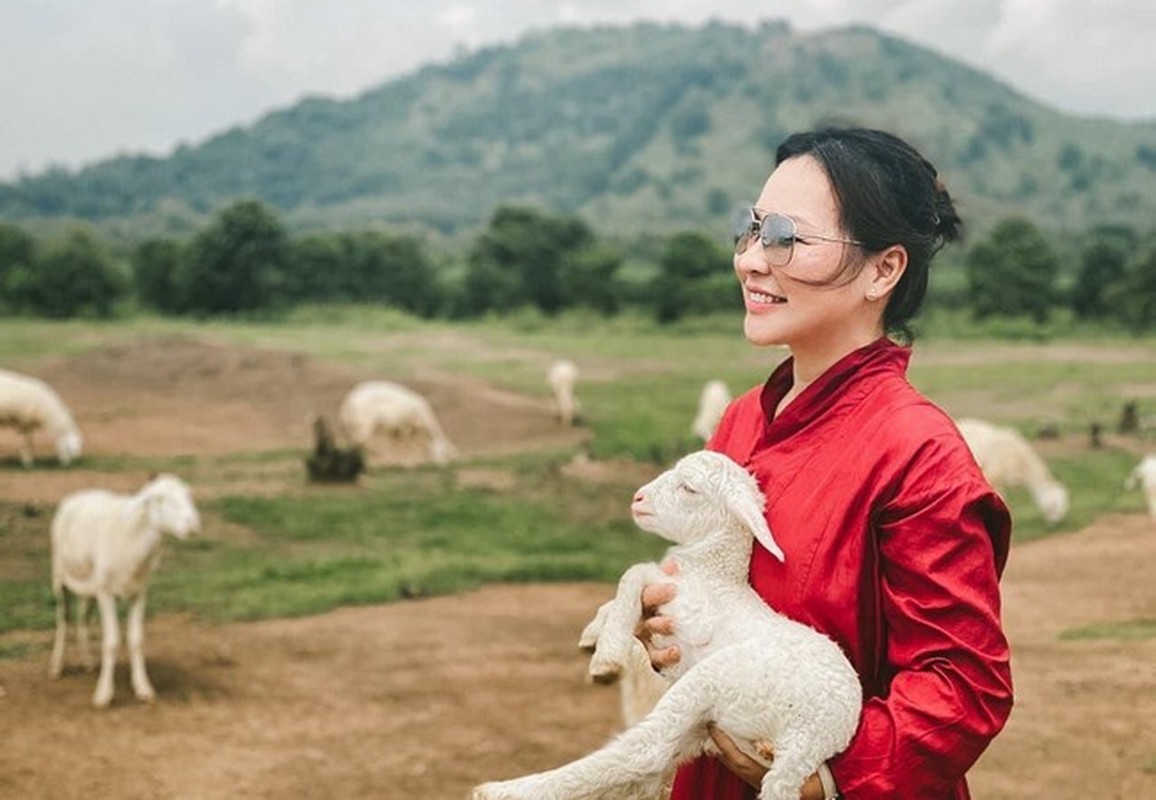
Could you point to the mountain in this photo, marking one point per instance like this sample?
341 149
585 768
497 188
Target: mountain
640 129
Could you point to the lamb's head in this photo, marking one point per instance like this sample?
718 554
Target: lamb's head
703 493
169 505
1052 500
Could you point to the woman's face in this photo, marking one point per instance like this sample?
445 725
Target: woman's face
808 303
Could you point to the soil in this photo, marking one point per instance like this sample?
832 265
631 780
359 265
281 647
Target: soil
424 698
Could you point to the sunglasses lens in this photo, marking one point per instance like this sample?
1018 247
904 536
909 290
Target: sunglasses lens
777 234
744 228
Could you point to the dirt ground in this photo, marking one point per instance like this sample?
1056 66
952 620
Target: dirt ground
423 699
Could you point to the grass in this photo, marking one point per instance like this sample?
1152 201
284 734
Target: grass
1127 630
283 548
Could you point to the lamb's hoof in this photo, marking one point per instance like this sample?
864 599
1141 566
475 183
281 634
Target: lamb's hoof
101 699
605 674
587 646
146 696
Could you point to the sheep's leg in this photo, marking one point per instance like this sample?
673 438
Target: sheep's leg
83 614
589 637
787 773
110 642
612 651
26 458
56 664
140 679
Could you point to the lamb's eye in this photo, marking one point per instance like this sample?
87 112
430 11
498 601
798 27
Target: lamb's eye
686 488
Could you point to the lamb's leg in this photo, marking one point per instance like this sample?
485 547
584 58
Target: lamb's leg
632 765
787 773
26 458
56 664
83 613
617 638
140 679
110 642
589 637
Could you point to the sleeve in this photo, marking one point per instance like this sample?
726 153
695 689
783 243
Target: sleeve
942 543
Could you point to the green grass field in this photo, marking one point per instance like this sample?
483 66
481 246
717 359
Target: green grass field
413 532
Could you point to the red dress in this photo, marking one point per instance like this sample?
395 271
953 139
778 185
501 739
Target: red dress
894 545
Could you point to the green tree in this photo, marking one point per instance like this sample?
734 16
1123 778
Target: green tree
238 262
1103 264
1134 296
156 270
1012 272
17 253
72 277
689 273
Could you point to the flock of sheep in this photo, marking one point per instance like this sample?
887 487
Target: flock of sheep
105 545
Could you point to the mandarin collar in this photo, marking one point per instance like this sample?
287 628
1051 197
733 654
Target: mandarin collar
841 386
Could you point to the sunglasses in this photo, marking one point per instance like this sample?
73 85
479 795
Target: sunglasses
778 234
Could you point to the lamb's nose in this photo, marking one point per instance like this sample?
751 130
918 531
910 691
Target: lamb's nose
638 498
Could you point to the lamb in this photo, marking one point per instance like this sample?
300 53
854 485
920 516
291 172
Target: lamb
1143 476
1007 460
562 376
106 545
765 680
375 406
712 403
28 405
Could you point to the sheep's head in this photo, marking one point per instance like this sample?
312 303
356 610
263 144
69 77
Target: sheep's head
702 493
68 446
169 504
1052 500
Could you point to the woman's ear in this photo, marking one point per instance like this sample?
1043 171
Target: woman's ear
885 272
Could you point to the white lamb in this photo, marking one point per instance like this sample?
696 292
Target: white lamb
562 376
1007 460
712 403
105 545
28 405
1143 476
400 412
765 680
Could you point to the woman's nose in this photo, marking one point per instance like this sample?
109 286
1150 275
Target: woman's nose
751 260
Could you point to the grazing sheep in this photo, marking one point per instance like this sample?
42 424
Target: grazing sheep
562 376
1007 459
712 403
1143 476
329 463
105 545
765 680
402 413
28 405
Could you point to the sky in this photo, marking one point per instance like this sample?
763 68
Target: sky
85 80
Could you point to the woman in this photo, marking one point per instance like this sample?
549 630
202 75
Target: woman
894 541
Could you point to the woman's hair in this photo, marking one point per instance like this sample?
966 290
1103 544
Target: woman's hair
888 194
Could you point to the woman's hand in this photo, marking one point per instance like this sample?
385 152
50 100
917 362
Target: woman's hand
653 596
752 771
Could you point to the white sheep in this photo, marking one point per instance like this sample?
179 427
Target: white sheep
1007 460
1143 476
28 405
562 376
712 403
765 680
105 546
383 406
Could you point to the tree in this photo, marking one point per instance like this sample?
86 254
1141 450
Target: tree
1012 272
156 269
689 273
1103 264
73 277
238 262
1134 296
17 253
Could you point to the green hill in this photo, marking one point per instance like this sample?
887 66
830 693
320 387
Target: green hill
642 129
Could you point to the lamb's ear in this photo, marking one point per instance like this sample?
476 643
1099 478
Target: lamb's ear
750 513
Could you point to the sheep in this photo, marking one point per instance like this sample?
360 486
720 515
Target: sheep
562 376
712 403
1143 476
375 406
765 680
105 546
29 404
1007 459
